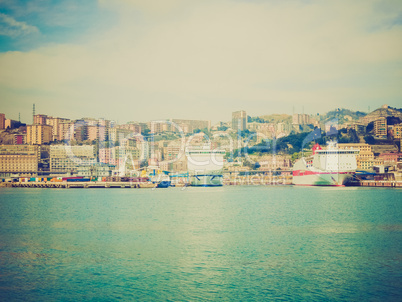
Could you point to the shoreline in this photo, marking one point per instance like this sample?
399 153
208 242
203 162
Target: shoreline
144 185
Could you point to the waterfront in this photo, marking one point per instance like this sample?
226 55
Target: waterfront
228 243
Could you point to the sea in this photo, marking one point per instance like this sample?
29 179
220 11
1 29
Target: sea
231 243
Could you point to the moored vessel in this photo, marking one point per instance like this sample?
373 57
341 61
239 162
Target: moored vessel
205 166
326 167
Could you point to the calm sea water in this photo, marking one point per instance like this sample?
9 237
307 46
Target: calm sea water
201 244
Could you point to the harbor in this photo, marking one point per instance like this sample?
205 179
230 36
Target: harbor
228 180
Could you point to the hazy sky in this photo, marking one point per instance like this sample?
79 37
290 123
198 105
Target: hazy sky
152 59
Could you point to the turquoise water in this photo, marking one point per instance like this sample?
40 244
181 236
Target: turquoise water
201 244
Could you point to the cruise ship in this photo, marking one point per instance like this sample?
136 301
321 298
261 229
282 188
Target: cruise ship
329 167
205 166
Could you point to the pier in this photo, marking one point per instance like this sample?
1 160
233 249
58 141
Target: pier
89 184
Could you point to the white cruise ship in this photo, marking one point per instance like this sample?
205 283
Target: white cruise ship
205 166
329 167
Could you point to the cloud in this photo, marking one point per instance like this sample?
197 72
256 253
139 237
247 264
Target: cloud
12 28
218 56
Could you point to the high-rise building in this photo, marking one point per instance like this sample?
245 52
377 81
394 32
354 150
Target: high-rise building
39 134
300 119
40 119
380 127
66 130
55 122
239 120
96 132
2 121
398 131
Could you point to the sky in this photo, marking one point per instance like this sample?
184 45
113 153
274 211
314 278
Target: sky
138 60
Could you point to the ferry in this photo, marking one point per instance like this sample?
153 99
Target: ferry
326 167
205 166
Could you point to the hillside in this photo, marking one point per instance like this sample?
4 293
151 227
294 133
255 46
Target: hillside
384 111
276 118
343 115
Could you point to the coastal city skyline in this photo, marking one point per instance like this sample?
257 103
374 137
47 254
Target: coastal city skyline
132 60
200 150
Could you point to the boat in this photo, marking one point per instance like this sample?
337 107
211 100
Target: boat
326 167
159 178
205 166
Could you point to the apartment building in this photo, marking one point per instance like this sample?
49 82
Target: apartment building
239 120
2 121
380 127
55 123
117 134
398 131
39 134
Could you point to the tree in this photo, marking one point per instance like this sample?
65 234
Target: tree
369 139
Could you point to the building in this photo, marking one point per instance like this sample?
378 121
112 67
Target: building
172 151
117 134
380 127
109 156
239 120
390 157
55 123
12 124
2 121
189 126
369 164
20 139
159 126
134 127
96 132
398 131
96 170
39 134
65 158
300 119
281 162
359 128
40 119
21 159
365 155
65 131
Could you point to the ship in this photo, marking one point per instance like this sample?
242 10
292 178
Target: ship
205 166
326 167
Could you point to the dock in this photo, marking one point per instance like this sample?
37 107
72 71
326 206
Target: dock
89 184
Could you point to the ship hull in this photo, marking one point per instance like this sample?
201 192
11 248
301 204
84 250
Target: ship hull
323 179
206 180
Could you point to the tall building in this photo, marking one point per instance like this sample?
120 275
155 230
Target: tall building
22 159
40 119
96 132
55 123
239 120
300 119
2 121
380 127
398 131
39 134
